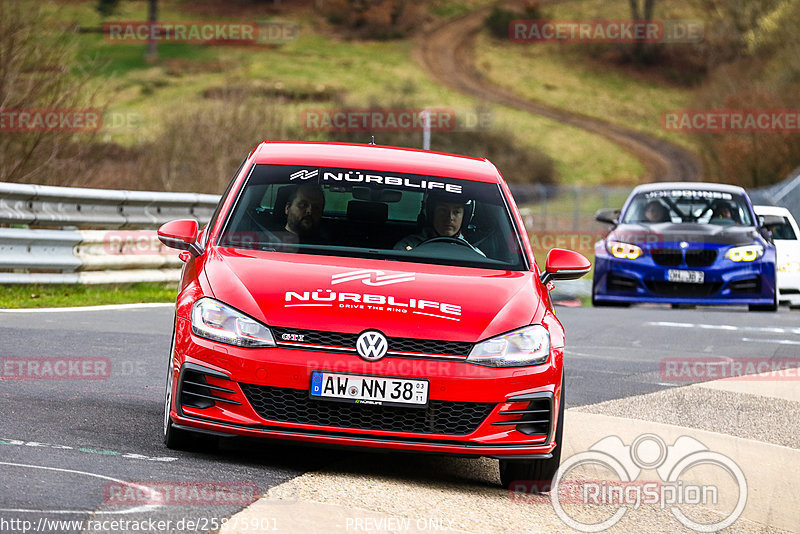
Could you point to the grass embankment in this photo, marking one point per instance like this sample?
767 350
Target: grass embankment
565 76
61 295
363 72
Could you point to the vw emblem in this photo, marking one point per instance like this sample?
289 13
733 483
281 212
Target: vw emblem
684 244
372 345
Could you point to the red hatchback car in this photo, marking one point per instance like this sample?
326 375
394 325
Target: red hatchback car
357 295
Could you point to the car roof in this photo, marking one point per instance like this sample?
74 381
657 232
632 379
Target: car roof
376 158
772 210
706 186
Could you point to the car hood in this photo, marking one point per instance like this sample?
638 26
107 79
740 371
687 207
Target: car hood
788 250
351 295
690 232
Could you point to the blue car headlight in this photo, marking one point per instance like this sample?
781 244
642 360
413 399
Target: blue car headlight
623 251
216 321
527 346
745 253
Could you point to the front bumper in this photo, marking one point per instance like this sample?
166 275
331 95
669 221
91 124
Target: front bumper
642 280
264 393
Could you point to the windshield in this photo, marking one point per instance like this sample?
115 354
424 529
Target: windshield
688 206
372 214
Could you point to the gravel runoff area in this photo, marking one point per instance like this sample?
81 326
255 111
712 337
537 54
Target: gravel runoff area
742 415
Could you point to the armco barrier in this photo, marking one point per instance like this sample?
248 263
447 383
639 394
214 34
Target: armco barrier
50 206
78 252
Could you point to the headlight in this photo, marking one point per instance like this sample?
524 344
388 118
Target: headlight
623 251
214 320
526 346
790 267
746 253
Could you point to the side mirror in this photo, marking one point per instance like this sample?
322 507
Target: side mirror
564 264
607 215
181 235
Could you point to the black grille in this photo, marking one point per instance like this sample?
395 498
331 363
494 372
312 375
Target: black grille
668 257
294 406
700 257
677 289
337 339
748 285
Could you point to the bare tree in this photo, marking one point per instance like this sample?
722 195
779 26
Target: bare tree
35 73
642 10
152 19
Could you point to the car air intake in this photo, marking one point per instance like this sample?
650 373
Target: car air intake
618 282
194 391
748 285
294 406
683 290
536 418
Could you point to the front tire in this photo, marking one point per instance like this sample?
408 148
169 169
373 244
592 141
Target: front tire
765 308
539 473
174 438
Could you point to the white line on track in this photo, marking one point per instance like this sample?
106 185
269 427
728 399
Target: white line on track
763 329
156 495
141 305
778 341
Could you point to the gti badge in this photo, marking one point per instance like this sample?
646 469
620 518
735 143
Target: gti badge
372 345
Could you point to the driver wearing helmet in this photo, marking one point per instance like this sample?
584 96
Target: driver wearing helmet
445 215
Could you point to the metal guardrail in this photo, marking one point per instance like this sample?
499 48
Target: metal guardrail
74 254
60 207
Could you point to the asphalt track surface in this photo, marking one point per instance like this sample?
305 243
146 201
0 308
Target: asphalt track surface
66 444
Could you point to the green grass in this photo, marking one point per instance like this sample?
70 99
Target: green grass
366 72
563 76
59 295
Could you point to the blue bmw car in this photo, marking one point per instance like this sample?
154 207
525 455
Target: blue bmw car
685 244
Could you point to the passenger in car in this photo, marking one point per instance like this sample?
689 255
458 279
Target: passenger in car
445 216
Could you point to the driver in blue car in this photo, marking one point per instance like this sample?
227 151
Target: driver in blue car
445 216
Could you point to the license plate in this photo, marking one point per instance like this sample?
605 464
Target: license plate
370 390
688 277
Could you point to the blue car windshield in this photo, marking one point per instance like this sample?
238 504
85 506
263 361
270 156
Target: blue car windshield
688 206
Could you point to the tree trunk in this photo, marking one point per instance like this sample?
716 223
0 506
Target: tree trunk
152 46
